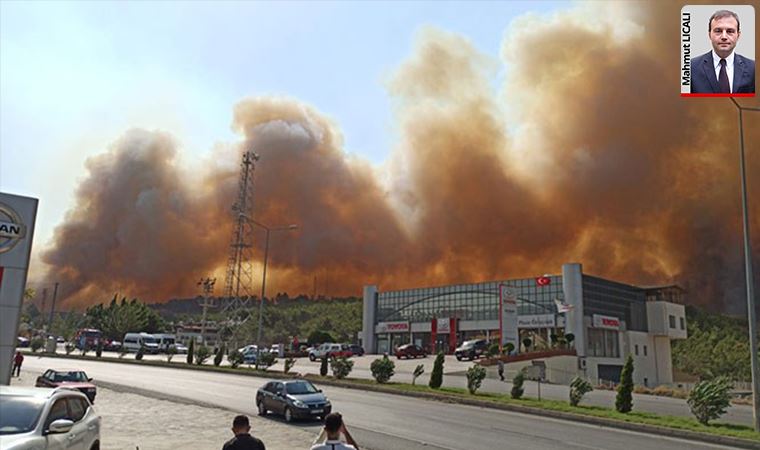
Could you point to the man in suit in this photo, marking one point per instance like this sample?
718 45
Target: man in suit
722 71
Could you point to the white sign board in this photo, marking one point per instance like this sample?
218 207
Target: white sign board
17 216
607 322
536 321
443 325
508 315
392 327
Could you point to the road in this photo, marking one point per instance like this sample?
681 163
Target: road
381 421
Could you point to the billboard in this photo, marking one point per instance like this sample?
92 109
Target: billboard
508 316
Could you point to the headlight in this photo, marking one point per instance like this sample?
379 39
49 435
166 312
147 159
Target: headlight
327 402
299 403
91 390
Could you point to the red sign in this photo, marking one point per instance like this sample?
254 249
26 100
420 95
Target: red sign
611 323
392 327
543 281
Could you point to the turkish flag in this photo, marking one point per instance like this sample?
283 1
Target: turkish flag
543 281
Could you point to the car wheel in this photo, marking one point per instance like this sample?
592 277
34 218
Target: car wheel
262 409
288 415
312 358
459 358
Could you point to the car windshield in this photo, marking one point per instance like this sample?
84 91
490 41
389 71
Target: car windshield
149 340
19 414
300 387
69 376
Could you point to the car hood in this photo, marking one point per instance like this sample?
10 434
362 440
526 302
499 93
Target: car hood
75 384
21 441
317 397
463 348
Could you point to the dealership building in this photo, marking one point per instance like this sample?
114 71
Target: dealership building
609 320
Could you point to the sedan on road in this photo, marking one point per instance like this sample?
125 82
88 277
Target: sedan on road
471 349
293 399
34 418
74 379
410 351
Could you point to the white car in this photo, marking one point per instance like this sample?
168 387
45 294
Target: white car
42 418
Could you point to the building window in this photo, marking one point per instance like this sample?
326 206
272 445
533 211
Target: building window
645 350
683 325
636 348
672 321
603 343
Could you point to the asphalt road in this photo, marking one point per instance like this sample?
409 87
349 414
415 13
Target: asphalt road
382 421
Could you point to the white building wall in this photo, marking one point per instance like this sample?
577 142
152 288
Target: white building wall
645 363
368 319
572 287
658 319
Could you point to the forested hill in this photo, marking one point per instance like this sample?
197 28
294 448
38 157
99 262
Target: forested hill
717 345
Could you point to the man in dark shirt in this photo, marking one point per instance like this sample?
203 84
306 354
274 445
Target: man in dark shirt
243 439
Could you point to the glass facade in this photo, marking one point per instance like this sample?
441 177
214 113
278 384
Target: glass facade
620 300
472 302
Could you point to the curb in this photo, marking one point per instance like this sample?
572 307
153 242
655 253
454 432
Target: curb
441 397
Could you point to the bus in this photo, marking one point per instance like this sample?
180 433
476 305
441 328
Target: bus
87 338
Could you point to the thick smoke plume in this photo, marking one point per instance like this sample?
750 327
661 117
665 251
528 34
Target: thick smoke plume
586 153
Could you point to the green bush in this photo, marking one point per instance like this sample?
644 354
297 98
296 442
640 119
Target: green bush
36 344
624 397
191 351
493 350
569 338
527 343
475 376
419 370
140 353
202 355
578 388
68 347
709 399
219 355
382 369
85 349
341 367
170 352
289 363
323 366
235 358
266 360
122 352
436 378
99 349
509 348
319 337
517 385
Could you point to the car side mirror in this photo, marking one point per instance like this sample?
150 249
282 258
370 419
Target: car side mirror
280 394
89 379
60 426
319 390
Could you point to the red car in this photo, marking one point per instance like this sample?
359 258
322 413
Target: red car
410 351
75 379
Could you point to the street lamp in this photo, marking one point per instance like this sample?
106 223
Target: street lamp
264 279
753 347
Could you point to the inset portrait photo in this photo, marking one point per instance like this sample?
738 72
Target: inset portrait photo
717 51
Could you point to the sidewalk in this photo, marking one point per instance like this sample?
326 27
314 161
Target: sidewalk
131 421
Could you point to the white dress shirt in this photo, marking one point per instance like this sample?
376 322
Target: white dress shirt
729 68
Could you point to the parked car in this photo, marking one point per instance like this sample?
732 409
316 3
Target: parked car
180 348
74 379
410 351
247 348
133 342
293 399
60 340
357 350
112 346
471 349
35 418
22 342
330 350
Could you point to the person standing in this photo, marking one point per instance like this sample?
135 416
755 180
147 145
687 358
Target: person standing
243 440
500 365
17 361
334 427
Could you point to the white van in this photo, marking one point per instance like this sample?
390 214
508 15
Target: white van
165 341
133 342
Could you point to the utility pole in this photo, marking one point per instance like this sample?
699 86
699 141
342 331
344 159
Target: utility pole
52 309
208 288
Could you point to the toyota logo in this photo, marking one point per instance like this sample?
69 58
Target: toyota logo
12 229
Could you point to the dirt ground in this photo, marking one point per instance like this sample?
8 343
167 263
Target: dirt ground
131 421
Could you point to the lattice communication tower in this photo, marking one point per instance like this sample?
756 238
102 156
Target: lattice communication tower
239 280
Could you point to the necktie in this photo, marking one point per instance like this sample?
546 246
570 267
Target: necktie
725 88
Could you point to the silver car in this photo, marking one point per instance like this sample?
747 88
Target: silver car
42 418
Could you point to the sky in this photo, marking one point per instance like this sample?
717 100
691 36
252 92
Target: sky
74 76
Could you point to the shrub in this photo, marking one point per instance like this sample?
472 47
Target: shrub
140 353
493 350
289 363
99 350
709 399
419 370
475 376
569 338
36 344
436 378
319 337
122 352
170 352
266 360
624 397
190 351
517 385
202 355
219 355
68 347
235 358
341 367
527 343
382 369
509 348
323 366
578 388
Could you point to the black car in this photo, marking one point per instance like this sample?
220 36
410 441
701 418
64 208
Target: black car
471 349
356 349
293 399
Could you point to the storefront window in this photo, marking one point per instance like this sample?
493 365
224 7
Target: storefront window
604 343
